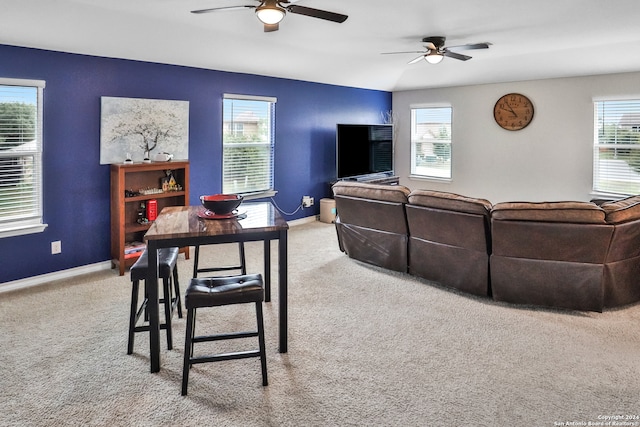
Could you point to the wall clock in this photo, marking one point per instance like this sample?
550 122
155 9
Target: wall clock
513 111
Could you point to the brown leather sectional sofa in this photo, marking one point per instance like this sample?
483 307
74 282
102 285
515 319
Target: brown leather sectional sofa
575 255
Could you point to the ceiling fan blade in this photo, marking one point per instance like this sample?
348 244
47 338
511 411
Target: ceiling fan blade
411 51
413 61
470 46
269 28
317 13
430 46
454 55
214 9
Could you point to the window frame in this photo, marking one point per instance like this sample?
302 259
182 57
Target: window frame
232 129
32 223
414 173
602 173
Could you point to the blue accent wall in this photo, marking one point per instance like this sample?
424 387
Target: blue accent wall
76 187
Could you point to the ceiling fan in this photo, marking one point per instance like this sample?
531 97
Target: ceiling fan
436 50
271 12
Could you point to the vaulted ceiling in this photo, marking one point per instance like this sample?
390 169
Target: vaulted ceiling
530 40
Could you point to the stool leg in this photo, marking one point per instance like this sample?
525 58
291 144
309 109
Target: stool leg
267 271
132 316
167 311
196 257
263 355
177 291
188 349
243 264
146 297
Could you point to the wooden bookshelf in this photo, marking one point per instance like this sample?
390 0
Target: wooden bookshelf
128 181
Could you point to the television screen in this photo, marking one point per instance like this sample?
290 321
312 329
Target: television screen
363 150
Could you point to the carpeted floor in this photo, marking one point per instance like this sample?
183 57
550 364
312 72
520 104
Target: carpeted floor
367 347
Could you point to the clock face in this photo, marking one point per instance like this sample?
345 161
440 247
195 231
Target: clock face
513 111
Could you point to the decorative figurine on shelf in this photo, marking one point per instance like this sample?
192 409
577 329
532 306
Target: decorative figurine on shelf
142 214
163 157
172 185
152 209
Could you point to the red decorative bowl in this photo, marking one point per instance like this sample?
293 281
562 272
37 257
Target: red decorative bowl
221 204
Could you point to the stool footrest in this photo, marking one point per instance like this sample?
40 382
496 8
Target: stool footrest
145 328
219 337
225 356
216 269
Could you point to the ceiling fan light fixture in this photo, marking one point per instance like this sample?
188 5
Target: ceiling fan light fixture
434 57
269 12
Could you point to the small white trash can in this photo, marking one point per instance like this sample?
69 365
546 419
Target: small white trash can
327 210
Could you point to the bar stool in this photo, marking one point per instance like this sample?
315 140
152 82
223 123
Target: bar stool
168 272
242 267
219 291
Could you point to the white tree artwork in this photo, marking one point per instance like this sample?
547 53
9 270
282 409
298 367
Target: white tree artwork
136 129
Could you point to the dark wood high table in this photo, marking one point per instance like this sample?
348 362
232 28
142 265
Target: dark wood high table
181 226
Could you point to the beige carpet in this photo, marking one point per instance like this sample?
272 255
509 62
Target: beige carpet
367 348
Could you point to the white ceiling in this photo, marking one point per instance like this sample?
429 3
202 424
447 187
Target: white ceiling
530 39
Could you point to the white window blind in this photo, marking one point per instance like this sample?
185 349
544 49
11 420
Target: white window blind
20 157
431 142
248 144
616 155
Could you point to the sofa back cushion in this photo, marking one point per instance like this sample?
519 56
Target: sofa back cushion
559 231
449 219
569 212
378 207
623 210
449 201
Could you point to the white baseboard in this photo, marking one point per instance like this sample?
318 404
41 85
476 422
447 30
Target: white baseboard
91 268
56 275
304 220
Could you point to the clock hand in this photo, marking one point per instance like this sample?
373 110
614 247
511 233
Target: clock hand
510 110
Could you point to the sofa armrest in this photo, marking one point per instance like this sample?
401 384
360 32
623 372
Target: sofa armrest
385 193
623 210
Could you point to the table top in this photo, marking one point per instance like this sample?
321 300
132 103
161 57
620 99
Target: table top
184 222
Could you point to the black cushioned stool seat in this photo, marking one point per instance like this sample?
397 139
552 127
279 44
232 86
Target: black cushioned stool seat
218 291
167 271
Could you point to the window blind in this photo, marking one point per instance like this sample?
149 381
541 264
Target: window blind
431 142
20 156
248 144
616 165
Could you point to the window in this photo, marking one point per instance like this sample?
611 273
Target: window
616 154
248 144
431 142
20 157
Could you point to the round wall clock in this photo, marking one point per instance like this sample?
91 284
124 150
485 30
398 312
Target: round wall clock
513 111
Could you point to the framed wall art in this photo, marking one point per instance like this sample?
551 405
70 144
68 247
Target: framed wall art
136 129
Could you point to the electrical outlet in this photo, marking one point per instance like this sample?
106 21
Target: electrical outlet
307 201
56 247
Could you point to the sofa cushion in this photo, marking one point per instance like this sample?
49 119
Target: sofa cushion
385 193
623 210
572 212
449 201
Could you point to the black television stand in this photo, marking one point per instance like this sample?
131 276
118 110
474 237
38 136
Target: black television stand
385 179
379 178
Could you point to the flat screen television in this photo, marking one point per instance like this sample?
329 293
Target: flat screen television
363 150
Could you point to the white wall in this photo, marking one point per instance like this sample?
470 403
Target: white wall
551 159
